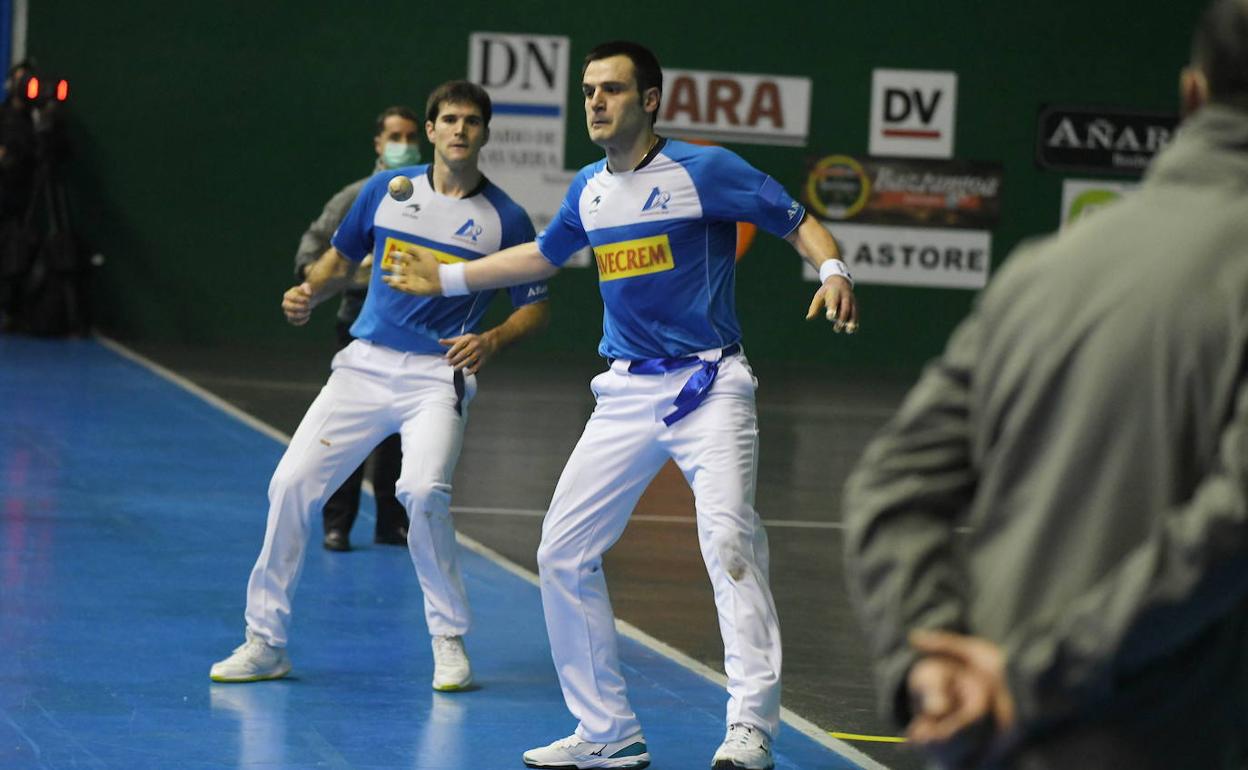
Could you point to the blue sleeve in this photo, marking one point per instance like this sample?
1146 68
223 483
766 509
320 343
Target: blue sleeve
354 236
519 229
733 190
565 235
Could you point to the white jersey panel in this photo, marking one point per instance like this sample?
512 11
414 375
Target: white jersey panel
469 223
663 190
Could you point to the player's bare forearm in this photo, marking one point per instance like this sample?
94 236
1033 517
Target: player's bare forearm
416 272
516 265
326 276
523 322
813 242
329 275
470 352
835 296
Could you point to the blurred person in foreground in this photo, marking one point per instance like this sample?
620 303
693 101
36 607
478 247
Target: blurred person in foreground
1088 427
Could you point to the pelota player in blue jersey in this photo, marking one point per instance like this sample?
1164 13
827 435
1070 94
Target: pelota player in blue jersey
661 217
411 370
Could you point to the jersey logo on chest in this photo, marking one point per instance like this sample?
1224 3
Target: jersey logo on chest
657 202
469 231
627 259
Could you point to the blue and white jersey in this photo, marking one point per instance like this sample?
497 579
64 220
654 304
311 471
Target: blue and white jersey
665 238
451 230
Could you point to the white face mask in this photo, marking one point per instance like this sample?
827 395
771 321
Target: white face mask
399 154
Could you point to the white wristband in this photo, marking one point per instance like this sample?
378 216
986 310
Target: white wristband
452 279
833 267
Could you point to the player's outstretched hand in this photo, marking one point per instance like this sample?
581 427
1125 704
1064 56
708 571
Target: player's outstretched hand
836 298
297 304
413 272
469 352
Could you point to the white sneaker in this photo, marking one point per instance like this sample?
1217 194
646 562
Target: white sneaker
745 747
572 752
451 670
252 661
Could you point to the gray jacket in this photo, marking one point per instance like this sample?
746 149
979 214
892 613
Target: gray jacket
1088 426
316 240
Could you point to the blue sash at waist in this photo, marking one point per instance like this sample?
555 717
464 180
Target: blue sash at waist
698 386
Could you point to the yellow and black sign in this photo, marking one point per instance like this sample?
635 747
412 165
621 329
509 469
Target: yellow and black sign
627 259
387 262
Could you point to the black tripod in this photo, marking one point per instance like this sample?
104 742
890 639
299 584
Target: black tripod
51 298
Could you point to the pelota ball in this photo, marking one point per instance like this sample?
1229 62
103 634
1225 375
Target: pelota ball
401 188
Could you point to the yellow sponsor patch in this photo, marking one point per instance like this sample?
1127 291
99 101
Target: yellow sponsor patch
631 258
387 262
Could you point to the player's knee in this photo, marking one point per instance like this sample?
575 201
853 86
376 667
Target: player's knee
288 479
427 498
560 561
733 554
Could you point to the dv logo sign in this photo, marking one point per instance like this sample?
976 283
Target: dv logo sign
912 113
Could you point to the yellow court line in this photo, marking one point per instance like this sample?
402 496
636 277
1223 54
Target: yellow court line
873 738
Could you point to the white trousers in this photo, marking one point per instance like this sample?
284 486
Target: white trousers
624 445
373 391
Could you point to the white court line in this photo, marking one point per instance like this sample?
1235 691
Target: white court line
769 523
795 721
194 389
659 519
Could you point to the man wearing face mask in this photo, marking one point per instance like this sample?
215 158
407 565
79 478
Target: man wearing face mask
396 146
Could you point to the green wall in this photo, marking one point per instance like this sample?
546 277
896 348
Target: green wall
207 135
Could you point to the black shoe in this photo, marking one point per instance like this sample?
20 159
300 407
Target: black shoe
336 540
397 537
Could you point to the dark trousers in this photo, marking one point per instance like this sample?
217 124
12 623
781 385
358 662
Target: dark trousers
387 459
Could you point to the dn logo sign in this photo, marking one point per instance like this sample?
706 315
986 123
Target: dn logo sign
912 113
523 68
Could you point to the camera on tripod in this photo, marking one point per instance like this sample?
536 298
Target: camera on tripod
38 89
43 263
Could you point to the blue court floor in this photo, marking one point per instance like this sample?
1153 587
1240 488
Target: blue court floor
131 511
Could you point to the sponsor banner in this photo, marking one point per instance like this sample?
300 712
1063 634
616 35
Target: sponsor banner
1081 197
912 256
526 77
627 259
524 74
912 113
387 261
1101 140
735 107
909 192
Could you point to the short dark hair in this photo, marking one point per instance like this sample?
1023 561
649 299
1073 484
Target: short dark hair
459 92
646 67
407 113
1220 50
